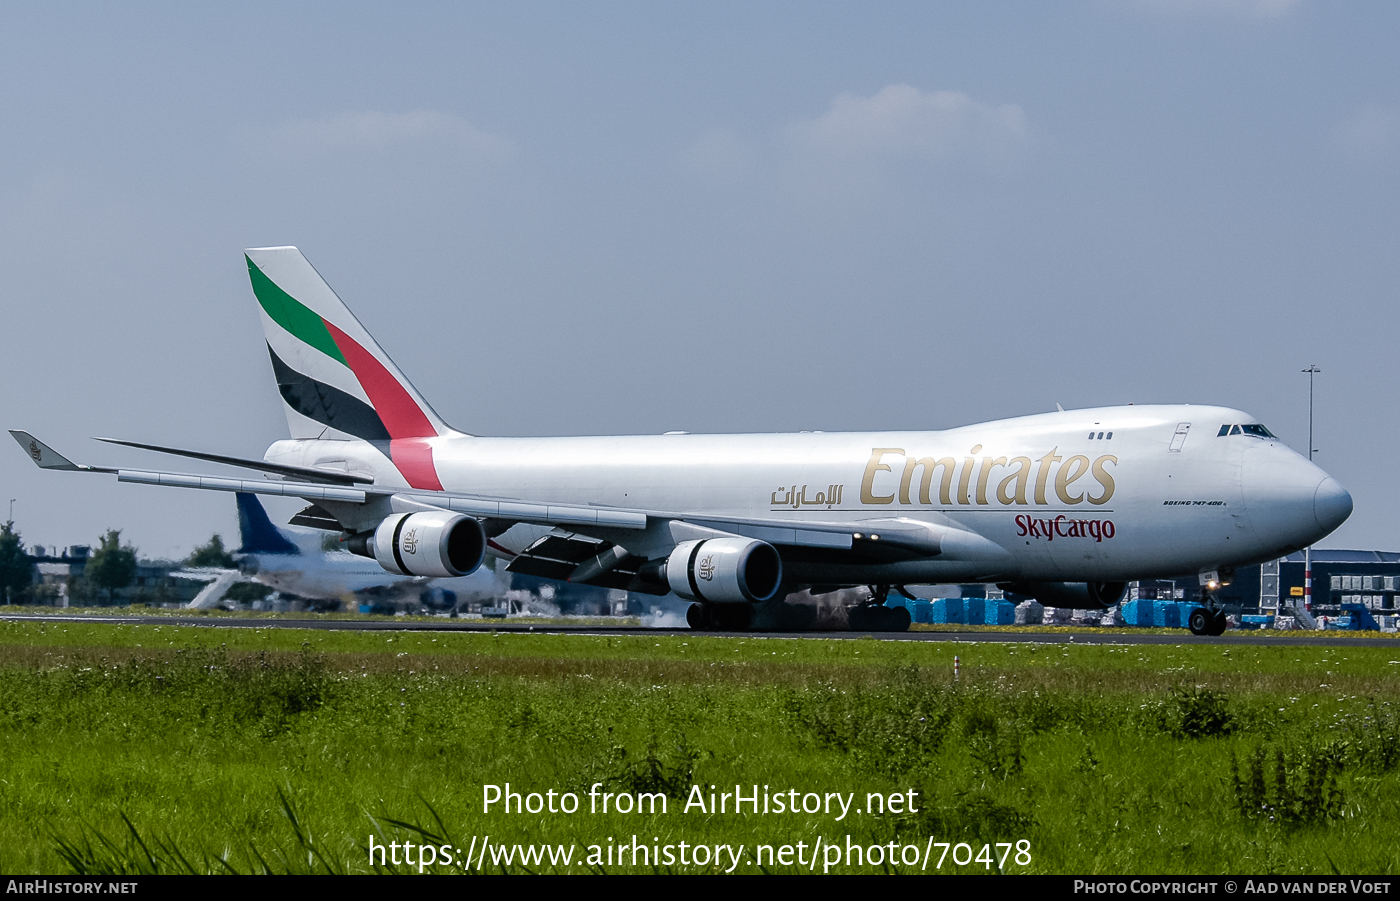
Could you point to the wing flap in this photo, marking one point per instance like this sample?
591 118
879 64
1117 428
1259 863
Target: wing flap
543 514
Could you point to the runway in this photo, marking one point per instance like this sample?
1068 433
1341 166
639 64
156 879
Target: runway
1011 635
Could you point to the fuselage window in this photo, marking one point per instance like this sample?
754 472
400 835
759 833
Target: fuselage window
1110 436
1257 431
1100 434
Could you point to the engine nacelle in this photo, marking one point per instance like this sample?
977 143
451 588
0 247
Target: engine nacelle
435 544
1076 595
724 570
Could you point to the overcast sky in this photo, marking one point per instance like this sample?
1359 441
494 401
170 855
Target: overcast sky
628 218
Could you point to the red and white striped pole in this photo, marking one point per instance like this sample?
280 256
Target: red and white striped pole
1312 372
1307 579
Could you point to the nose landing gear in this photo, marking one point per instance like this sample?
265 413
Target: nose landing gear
1207 620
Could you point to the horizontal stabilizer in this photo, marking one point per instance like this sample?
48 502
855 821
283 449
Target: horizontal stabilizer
316 517
296 472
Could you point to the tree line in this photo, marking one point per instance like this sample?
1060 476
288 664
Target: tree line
110 568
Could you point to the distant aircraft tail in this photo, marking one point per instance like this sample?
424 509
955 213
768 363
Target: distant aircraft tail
258 533
335 381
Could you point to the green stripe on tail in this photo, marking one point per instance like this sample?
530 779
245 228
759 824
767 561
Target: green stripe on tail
289 313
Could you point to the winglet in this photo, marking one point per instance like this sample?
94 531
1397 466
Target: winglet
43 455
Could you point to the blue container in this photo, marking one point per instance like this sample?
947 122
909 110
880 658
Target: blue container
1169 615
974 609
1360 617
1000 613
922 612
947 611
1139 612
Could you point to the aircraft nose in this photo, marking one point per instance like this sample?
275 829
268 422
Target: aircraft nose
1331 504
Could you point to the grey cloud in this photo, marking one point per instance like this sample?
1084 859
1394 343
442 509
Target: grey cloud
1260 9
903 122
380 132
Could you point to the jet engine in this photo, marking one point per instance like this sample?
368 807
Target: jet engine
434 544
724 570
1076 595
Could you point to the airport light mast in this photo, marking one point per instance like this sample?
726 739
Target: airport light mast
1312 371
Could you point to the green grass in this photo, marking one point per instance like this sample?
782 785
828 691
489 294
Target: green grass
161 748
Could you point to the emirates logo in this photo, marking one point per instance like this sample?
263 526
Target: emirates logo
34 451
707 568
410 541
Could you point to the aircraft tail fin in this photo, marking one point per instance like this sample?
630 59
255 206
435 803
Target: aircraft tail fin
257 532
330 371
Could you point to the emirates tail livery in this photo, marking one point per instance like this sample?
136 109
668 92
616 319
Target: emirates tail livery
1066 507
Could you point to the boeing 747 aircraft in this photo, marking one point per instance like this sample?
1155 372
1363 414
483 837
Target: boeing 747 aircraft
1067 507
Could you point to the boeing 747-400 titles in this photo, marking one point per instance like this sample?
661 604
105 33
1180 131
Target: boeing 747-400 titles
1066 507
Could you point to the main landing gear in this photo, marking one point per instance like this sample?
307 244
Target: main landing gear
874 616
719 617
1208 619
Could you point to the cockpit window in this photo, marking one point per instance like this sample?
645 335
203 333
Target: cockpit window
1253 428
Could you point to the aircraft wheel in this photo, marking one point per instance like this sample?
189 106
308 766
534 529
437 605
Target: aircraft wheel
1199 622
1218 623
697 617
732 617
878 618
861 618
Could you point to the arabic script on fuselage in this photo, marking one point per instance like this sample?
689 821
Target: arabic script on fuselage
792 497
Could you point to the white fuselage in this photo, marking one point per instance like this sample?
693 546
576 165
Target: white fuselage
1156 499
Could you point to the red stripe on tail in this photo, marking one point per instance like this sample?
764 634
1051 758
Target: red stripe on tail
414 458
401 415
404 420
